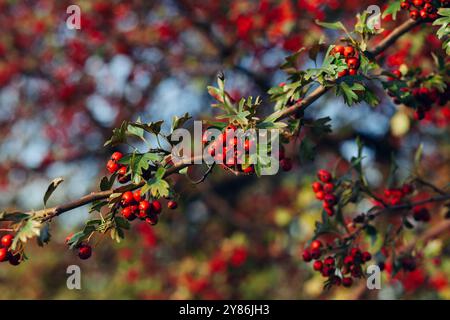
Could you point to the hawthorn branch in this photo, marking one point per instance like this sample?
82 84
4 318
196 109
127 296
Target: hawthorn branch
401 207
381 47
50 213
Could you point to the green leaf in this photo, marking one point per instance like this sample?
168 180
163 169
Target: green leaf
151 127
107 183
30 229
157 187
51 188
332 25
13 216
136 131
139 162
307 150
122 223
159 174
178 122
347 92
44 236
118 136
392 9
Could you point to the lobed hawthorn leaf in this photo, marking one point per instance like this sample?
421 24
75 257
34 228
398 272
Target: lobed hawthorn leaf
178 122
134 130
30 229
157 186
107 183
51 188
151 127
392 9
118 136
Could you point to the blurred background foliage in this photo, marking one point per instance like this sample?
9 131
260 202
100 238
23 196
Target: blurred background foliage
62 91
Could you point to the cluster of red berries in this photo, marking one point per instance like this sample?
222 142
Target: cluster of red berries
5 253
135 206
351 265
421 214
349 54
420 98
324 190
395 195
225 150
423 9
224 146
113 166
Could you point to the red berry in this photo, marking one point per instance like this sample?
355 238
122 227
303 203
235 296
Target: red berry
14 259
423 14
329 211
366 256
249 170
397 73
320 195
122 171
328 187
112 166
127 198
347 282
324 175
286 164
6 240
318 265
343 73
306 256
327 271
339 49
317 186
116 156
428 7
330 200
348 260
3 254
352 72
156 205
128 213
144 205
405 5
316 244
407 188
137 196
414 14
353 63
172 205
85 251
355 252
329 261
142 215
316 253
349 52
152 220
418 3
